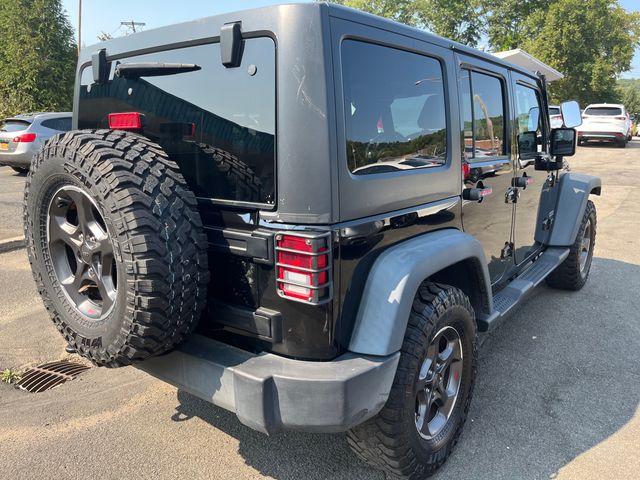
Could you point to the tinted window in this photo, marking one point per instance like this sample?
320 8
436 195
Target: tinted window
604 111
488 115
13 126
60 124
395 109
218 123
554 111
482 115
466 111
528 110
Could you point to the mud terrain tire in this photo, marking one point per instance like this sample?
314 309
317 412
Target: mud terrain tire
115 244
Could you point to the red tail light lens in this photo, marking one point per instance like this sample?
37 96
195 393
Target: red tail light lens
303 267
126 121
466 170
25 138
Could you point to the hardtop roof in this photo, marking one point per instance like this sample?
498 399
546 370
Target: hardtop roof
120 44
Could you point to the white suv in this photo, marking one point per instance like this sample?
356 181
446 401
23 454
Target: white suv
605 122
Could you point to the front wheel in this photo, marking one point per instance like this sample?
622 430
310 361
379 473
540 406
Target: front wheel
415 432
572 274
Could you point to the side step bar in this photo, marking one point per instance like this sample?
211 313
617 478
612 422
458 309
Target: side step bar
508 297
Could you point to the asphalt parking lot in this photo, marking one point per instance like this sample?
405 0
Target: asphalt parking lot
557 394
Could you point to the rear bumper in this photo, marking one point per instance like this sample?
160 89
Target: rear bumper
21 157
270 393
601 136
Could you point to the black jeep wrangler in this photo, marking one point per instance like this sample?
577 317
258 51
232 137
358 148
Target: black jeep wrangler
304 214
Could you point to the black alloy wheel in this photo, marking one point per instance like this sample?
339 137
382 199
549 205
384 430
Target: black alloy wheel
438 382
82 252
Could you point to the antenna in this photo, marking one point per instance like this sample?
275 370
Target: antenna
132 25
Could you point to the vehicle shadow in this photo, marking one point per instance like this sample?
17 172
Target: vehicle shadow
557 379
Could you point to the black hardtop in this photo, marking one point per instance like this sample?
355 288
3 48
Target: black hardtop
190 30
307 140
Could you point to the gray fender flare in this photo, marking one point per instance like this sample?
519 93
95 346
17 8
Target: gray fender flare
394 279
575 189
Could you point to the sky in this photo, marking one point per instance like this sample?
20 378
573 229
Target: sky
105 16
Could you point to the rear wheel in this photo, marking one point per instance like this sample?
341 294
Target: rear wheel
420 424
115 244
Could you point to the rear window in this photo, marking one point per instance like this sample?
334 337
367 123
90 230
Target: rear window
554 111
13 125
395 109
603 111
217 123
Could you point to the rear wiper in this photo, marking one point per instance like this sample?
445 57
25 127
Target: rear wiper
153 69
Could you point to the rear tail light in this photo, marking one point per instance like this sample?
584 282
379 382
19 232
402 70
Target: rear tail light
621 118
303 267
466 170
126 121
24 138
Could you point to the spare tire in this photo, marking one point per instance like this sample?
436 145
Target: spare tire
116 245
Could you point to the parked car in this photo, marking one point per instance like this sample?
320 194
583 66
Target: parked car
23 135
294 286
605 122
555 116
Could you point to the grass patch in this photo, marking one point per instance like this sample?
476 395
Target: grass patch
10 376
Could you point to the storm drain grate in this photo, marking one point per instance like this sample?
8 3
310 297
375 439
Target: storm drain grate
49 375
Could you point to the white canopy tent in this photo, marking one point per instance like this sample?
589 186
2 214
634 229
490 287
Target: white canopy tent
523 59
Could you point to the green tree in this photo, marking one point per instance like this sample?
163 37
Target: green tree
505 20
590 41
37 57
629 93
459 20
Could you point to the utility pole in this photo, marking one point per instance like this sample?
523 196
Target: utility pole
79 26
132 25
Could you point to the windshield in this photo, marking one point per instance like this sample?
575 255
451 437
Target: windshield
604 111
554 111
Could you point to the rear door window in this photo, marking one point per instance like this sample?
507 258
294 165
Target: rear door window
395 109
482 115
60 124
217 123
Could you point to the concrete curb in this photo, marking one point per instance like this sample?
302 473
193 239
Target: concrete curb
11 244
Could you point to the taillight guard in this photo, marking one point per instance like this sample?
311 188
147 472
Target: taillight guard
303 266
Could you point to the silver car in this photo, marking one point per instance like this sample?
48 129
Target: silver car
23 135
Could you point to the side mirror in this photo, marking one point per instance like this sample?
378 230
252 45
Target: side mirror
563 142
571 114
527 145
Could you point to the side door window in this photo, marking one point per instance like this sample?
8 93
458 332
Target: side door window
488 115
486 164
529 119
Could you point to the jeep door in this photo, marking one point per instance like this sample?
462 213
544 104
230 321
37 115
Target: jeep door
487 163
527 107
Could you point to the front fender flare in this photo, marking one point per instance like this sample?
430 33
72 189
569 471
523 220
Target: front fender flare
575 189
393 282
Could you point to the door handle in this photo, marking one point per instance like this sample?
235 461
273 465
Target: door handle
522 182
476 194
512 195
